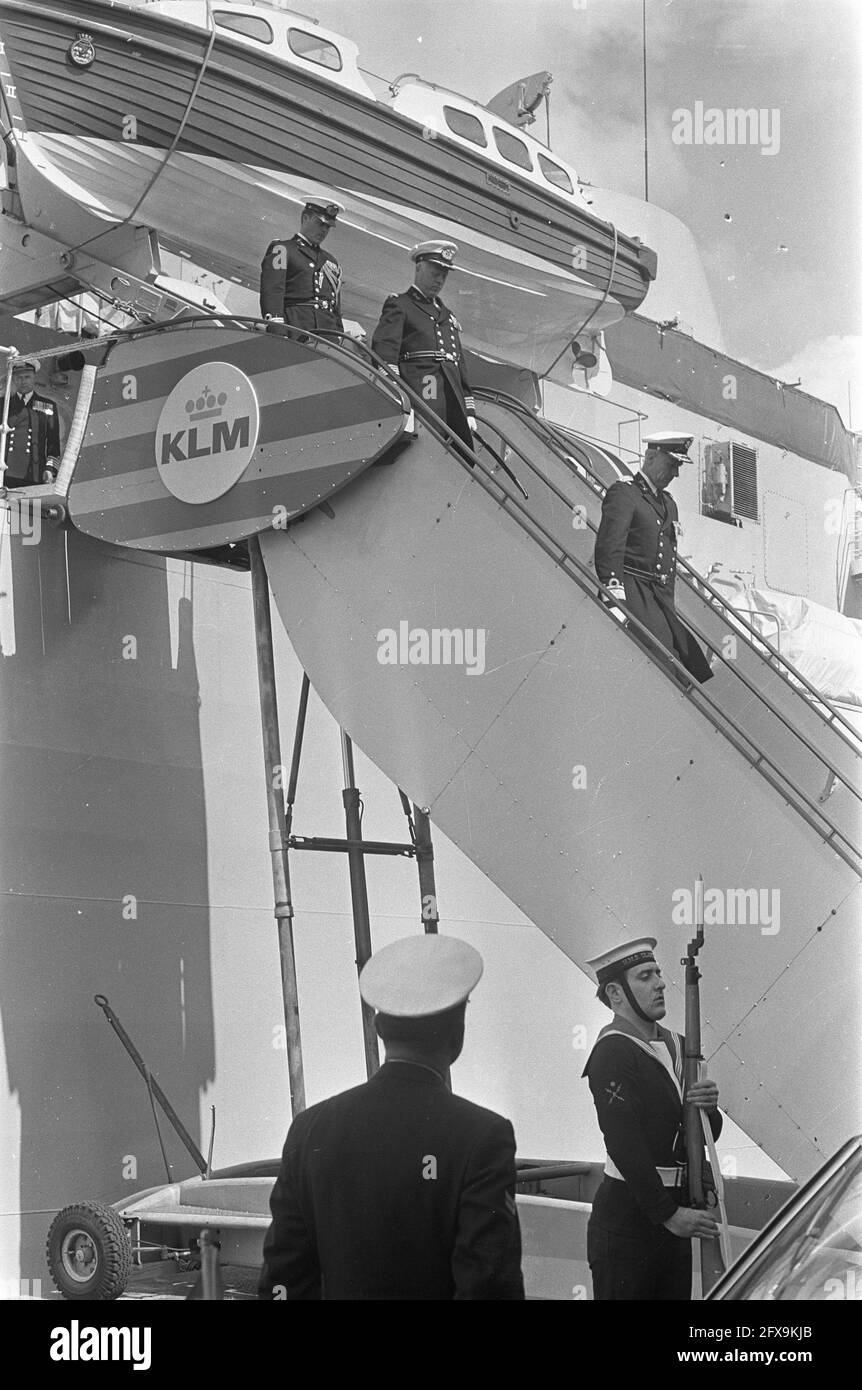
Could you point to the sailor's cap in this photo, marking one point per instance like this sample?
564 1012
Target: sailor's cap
420 975
677 445
610 965
440 252
27 364
324 205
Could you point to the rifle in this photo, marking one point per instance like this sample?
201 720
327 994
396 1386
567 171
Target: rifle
702 1189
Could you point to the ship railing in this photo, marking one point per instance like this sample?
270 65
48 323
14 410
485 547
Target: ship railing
633 417
564 441
366 361
380 86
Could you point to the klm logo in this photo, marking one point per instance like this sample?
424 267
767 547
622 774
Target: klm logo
197 440
207 433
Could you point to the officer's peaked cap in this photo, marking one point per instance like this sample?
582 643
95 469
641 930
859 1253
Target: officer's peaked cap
677 445
612 964
420 975
324 205
27 364
440 252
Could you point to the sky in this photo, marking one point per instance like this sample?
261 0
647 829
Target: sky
778 232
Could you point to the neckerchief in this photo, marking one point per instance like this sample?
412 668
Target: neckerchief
668 1053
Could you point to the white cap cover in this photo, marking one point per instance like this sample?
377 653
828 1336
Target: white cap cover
420 975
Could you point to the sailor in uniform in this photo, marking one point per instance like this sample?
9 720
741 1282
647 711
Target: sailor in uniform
636 546
33 437
640 1230
398 1189
420 340
300 283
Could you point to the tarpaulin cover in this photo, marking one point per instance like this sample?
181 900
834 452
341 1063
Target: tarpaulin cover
824 646
675 368
518 382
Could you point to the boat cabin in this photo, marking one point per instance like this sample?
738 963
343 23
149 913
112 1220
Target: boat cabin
474 127
291 37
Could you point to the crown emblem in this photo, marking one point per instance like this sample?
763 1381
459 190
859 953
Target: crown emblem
206 405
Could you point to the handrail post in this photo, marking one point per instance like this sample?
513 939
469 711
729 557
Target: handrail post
425 865
278 841
359 897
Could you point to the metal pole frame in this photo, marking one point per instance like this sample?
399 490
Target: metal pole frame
278 833
425 865
282 840
358 896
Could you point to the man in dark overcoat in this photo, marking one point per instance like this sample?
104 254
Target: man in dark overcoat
398 1189
420 339
636 547
33 430
300 283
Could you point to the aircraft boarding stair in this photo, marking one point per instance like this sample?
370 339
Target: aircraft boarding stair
577 773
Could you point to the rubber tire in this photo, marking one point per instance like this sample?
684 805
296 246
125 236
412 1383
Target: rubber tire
110 1246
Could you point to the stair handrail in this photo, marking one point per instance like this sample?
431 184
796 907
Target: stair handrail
823 759
694 579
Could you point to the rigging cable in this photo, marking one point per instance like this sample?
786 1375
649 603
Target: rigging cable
174 142
596 308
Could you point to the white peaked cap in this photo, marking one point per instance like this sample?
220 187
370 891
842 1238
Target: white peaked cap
420 975
676 444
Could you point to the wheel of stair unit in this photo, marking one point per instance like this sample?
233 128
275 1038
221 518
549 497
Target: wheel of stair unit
88 1252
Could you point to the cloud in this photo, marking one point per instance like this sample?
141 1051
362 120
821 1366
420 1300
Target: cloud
826 367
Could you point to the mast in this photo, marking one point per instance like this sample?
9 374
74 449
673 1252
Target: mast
646 138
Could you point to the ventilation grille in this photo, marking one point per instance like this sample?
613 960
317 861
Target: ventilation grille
729 482
744 486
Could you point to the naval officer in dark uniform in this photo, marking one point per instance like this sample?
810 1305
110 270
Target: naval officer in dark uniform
636 547
398 1189
33 437
420 340
300 283
640 1230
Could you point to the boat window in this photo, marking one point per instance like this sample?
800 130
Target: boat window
555 175
467 126
245 24
314 49
512 149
